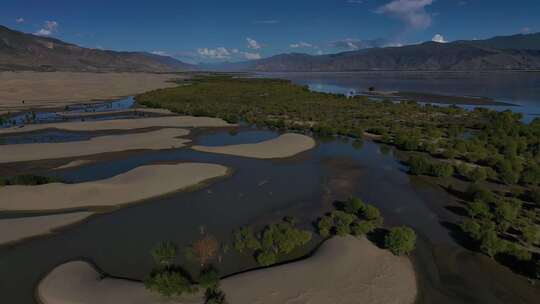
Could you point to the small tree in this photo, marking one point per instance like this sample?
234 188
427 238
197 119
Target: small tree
531 234
353 205
266 258
168 283
209 278
362 228
342 222
164 254
214 296
324 225
400 240
491 244
205 249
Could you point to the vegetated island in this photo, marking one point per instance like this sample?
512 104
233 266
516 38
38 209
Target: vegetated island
285 145
136 185
344 269
489 160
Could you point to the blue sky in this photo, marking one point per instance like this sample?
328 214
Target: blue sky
212 30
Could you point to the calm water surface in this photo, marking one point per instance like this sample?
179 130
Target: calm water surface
522 89
259 191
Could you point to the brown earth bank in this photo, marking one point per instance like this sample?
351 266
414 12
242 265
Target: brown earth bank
58 89
343 270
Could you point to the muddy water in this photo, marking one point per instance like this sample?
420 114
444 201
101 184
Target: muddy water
260 191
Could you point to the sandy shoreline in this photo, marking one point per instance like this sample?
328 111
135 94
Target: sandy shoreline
16 229
58 89
123 124
156 140
344 270
286 145
136 185
136 110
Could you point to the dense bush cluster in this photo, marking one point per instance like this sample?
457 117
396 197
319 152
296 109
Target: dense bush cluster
28 180
500 225
354 217
272 242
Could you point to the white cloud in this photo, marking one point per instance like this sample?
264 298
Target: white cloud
252 56
160 53
526 30
20 20
438 38
320 52
352 44
217 53
412 12
49 28
302 44
253 44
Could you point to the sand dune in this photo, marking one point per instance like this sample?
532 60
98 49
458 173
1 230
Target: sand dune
138 184
123 124
344 270
57 89
16 229
286 145
161 139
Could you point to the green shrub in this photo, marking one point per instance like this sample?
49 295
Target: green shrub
491 244
479 209
441 170
360 228
419 165
209 278
266 258
342 222
400 240
353 205
214 296
168 283
244 239
164 254
324 225
531 234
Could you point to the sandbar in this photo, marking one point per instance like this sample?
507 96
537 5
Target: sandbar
155 140
58 89
123 124
136 185
343 270
136 110
16 229
286 145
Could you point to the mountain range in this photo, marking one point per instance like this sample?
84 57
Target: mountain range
22 51
518 52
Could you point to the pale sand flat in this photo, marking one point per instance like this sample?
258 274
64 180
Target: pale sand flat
123 124
136 185
286 145
137 110
58 89
156 140
343 271
16 229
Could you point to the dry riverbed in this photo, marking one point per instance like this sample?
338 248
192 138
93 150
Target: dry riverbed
58 89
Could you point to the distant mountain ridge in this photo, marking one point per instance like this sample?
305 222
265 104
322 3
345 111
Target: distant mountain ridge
518 52
21 51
